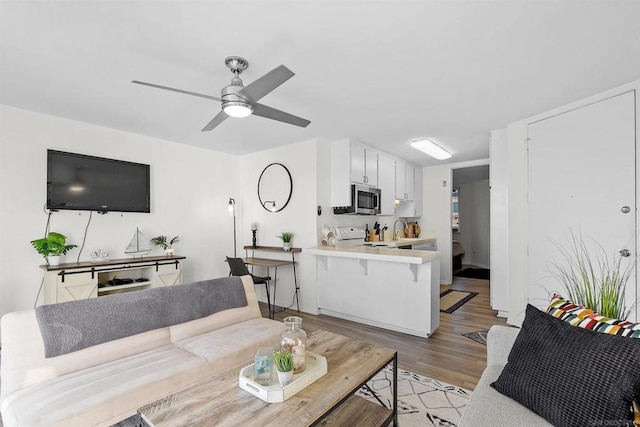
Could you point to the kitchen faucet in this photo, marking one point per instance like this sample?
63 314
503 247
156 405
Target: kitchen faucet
395 236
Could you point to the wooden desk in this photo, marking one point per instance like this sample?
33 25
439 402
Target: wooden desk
269 263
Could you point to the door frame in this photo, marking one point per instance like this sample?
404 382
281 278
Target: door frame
517 135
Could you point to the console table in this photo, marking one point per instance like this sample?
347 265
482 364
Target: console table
269 263
81 280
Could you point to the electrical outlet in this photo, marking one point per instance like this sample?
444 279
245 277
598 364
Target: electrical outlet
444 183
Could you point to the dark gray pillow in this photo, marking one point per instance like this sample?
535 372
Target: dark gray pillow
572 376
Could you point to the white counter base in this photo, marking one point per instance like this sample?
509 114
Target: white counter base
395 295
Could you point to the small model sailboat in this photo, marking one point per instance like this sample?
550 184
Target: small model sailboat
139 245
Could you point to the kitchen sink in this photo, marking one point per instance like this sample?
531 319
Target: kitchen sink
380 244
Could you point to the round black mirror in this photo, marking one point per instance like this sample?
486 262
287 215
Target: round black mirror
275 187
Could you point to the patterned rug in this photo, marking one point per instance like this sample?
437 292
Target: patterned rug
422 401
477 336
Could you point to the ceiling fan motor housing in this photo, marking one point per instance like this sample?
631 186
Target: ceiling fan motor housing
229 93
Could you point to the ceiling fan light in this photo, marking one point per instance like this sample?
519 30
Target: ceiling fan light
430 148
237 109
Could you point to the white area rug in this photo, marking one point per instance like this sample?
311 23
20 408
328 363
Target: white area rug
422 401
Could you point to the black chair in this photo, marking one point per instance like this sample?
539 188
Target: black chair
237 267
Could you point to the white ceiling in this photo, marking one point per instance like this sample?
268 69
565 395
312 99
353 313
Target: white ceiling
382 72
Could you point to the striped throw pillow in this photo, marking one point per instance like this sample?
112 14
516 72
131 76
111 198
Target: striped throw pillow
586 318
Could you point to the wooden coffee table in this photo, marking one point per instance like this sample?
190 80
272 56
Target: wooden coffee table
329 401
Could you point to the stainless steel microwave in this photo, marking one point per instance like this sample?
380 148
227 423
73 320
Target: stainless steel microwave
364 201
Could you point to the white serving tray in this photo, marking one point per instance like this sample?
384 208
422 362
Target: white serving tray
316 367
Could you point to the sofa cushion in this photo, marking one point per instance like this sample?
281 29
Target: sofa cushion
23 362
586 318
226 347
65 327
487 407
571 376
107 393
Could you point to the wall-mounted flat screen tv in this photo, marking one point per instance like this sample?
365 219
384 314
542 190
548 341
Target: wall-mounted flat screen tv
88 183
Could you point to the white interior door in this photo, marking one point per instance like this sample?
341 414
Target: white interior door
581 174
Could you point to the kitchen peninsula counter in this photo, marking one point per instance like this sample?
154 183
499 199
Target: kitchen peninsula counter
396 289
406 256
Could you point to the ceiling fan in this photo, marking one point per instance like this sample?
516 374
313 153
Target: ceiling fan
241 101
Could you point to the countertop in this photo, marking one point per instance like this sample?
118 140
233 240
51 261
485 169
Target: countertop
407 256
404 241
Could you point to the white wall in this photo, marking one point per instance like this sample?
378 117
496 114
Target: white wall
473 208
190 188
299 217
437 181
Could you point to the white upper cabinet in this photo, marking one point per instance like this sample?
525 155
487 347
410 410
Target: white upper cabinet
387 183
405 181
357 162
417 198
363 164
353 162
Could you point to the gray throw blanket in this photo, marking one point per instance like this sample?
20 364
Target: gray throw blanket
74 325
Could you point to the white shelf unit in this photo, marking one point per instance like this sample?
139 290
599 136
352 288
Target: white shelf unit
75 281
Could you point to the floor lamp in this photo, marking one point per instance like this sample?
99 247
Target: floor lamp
232 212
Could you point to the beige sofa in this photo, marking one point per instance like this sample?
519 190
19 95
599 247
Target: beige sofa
106 383
487 407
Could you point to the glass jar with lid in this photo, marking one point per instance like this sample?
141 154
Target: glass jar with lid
294 339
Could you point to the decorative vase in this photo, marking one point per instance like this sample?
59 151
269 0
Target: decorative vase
285 378
286 246
53 259
169 252
294 340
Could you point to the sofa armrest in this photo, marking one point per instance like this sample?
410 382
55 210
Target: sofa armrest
500 339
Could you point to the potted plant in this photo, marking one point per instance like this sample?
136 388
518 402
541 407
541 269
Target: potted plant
283 360
593 279
165 244
52 247
286 237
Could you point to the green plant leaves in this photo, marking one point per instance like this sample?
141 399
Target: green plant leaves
592 278
53 244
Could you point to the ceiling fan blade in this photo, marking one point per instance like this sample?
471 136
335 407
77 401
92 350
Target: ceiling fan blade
176 90
265 84
271 113
219 118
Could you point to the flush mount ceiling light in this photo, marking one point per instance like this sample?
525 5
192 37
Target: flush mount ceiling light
430 148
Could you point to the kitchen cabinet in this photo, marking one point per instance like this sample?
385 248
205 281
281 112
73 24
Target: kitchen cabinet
405 181
363 164
387 183
417 194
351 163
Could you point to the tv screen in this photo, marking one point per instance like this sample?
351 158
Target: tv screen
88 183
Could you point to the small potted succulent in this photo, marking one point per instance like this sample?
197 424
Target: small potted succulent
165 243
52 247
286 237
283 360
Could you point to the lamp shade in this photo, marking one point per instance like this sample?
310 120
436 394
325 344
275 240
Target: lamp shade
232 207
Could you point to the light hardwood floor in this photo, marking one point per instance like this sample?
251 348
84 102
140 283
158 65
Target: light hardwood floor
446 355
